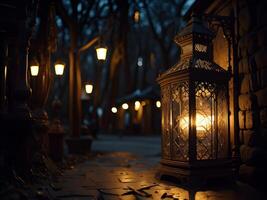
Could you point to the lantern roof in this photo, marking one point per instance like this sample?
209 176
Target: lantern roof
195 26
196 55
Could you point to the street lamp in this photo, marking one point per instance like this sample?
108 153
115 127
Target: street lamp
137 105
88 88
125 106
114 110
101 52
59 67
158 104
34 67
195 110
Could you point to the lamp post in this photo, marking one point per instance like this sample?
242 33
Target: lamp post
56 131
195 111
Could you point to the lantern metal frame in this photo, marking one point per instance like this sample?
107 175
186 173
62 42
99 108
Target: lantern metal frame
196 67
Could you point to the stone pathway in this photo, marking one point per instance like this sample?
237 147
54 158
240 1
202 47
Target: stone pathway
127 172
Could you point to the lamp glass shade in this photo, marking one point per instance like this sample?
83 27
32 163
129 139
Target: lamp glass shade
158 104
125 106
101 52
114 110
88 88
34 70
137 105
59 69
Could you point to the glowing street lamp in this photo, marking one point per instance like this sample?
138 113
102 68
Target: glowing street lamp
125 106
114 110
59 67
137 105
88 88
101 52
158 104
34 67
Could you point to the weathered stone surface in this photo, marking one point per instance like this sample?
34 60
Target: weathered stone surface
262 97
245 102
261 58
241 117
263 117
244 66
245 84
246 173
249 119
251 155
248 137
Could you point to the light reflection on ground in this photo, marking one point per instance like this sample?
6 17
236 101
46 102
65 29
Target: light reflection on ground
128 165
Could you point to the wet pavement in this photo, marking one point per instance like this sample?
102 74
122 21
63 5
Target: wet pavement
124 168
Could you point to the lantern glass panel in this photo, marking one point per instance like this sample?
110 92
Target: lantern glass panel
180 130
211 109
223 137
165 122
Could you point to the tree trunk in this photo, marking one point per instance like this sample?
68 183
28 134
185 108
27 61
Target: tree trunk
74 88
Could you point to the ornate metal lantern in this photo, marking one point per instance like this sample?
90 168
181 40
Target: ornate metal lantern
195 110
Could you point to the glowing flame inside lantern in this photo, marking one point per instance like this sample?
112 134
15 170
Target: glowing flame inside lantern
203 122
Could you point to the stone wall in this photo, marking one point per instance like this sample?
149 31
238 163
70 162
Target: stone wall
253 89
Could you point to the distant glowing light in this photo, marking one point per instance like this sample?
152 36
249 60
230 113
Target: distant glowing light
125 106
136 16
59 69
88 88
158 104
140 62
137 105
114 110
34 70
99 112
101 53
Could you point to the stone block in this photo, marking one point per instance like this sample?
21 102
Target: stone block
261 58
249 119
242 45
262 97
246 173
241 117
263 117
244 66
245 84
252 156
249 137
245 102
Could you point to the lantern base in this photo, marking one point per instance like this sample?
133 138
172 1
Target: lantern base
196 174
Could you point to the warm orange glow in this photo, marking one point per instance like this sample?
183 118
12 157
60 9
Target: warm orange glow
114 110
101 53
34 70
125 106
59 69
158 104
88 88
137 105
136 16
203 122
